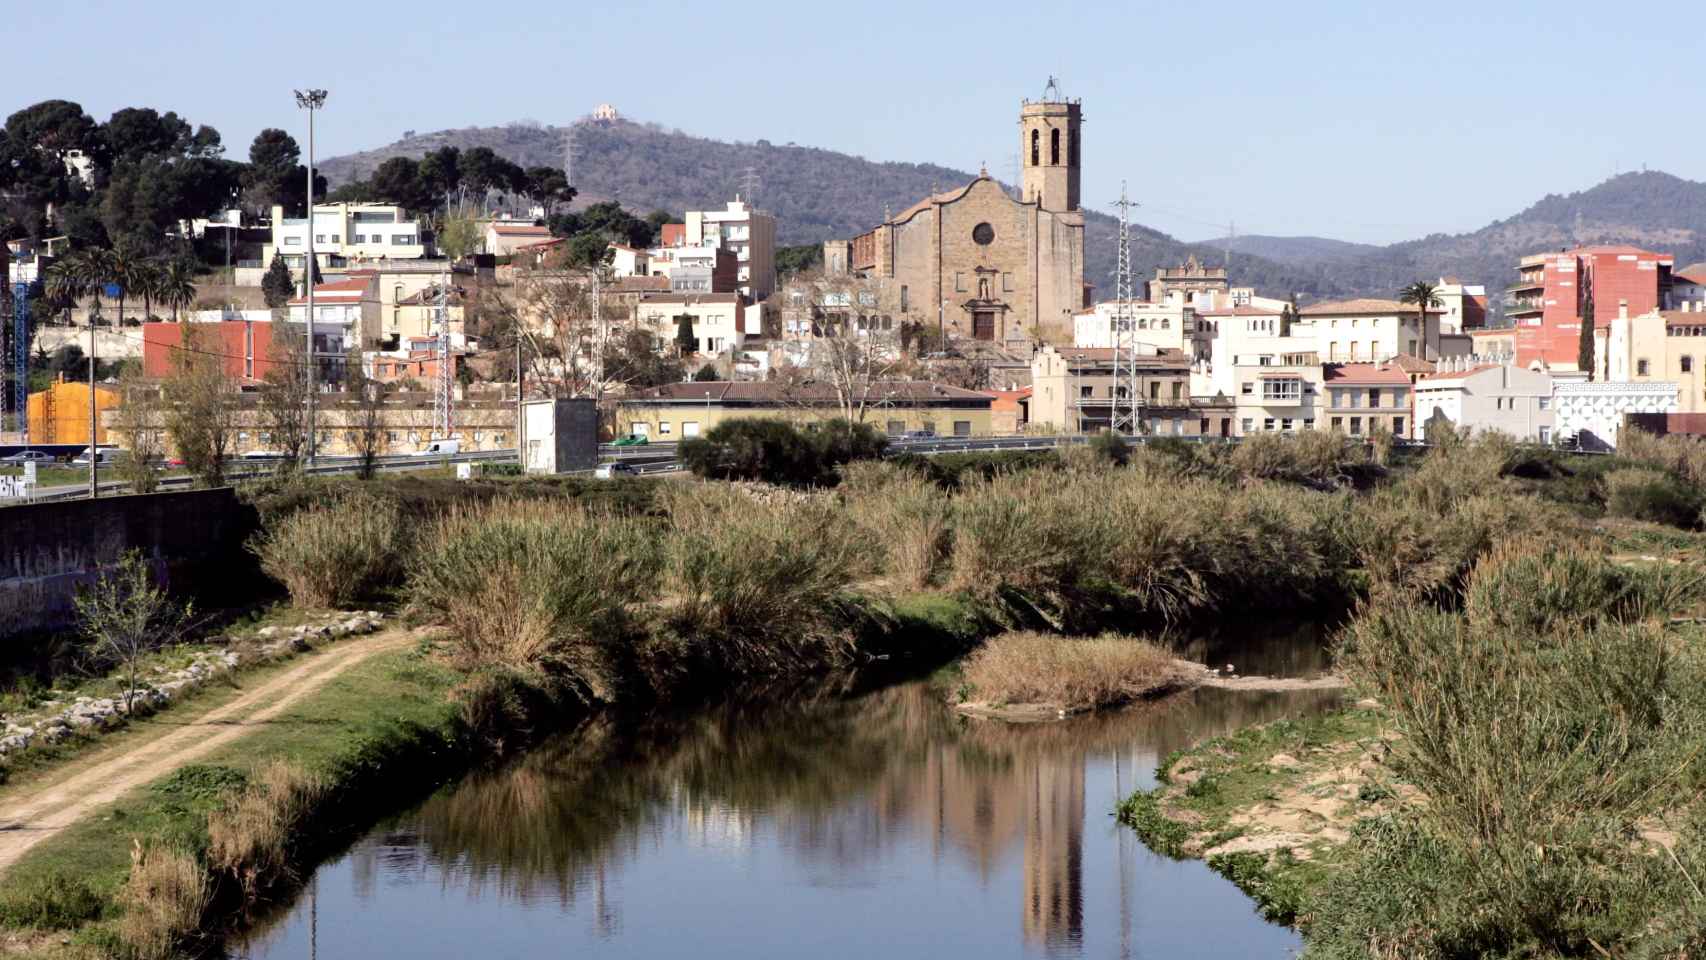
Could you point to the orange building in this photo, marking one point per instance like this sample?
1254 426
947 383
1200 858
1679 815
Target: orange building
60 414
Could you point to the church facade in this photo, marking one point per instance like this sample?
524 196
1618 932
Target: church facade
975 261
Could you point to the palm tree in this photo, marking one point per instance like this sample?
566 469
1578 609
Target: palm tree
147 278
1424 295
128 268
177 285
78 275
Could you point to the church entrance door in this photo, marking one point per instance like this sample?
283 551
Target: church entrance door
983 324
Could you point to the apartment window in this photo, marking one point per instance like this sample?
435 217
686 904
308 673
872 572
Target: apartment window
1356 426
1178 389
1085 392
293 241
336 238
1244 425
1374 398
867 298
1338 423
1545 403
1247 389
391 436
962 428
1687 364
1285 424
689 428
403 239
1154 390
1309 424
663 428
1282 390
1545 434
1397 426
358 238
897 427
1202 426
1267 424
1413 352
319 238
905 300
479 435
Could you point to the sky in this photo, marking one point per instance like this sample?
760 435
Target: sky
1371 121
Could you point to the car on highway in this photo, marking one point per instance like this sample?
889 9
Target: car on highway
105 455
263 455
631 440
919 435
612 471
29 456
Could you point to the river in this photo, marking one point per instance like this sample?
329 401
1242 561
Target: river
852 821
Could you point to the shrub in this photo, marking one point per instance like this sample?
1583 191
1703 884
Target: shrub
1682 455
252 837
163 900
907 517
1112 447
1313 456
1655 496
1074 672
1541 587
754 590
951 469
1029 543
776 451
537 586
333 555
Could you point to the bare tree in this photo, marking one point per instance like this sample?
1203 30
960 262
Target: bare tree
855 342
124 616
138 422
565 346
283 398
364 419
201 406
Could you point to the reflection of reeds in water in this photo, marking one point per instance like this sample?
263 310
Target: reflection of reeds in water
840 778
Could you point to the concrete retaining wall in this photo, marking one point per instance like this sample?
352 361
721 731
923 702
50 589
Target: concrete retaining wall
47 550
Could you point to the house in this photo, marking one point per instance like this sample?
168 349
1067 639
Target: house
504 239
1361 397
680 410
415 358
1074 390
695 269
1011 410
1370 330
1496 396
1463 306
1167 326
408 294
344 233
715 322
1593 413
1660 345
346 318
626 261
748 235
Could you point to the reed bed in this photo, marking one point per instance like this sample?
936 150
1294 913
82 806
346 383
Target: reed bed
332 555
250 839
1071 672
163 901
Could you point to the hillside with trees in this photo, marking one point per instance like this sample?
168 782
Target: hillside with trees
816 194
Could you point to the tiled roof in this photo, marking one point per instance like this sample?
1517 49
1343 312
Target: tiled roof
1442 378
521 231
1166 357
1681 318
1694 274
639 284
771 391
1239 312
691 298
340 290
1412 364
1361 307
1364 373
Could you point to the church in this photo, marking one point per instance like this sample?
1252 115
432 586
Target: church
975 261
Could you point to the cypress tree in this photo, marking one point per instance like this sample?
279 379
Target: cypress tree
1584 348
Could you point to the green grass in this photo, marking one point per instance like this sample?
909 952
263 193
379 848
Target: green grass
389 719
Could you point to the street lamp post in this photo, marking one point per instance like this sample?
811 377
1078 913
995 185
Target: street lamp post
310 100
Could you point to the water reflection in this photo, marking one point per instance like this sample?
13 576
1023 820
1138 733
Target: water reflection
827 823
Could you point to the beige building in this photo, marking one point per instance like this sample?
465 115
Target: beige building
406 421
974 261
1165 326
680 410
1191 282
1661 346
720 322
504 239
344 234
1074 390
1369 330
1360 397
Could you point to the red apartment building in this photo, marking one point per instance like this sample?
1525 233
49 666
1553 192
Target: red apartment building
1547 301
244 346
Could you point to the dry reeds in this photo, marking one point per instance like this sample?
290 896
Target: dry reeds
250 839
332 555
1073 673
907 517
1682 455
163 900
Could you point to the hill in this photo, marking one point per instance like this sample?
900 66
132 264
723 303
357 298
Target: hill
816 194
1294 250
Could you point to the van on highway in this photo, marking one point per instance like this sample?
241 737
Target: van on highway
440 448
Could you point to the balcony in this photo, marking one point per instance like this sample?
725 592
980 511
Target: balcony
1536 283
1520 307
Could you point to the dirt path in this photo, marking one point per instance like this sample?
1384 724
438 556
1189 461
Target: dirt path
38 811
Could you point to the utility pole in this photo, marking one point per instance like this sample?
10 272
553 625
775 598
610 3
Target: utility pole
1123 412
94 450
311 101
520 417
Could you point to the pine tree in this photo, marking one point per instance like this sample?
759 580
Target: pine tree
1584 348
685 342
276 285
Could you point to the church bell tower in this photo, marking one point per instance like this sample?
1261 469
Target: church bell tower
1050 146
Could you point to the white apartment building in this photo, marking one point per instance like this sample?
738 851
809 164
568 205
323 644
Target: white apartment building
1369 330
628 261
748 234
346 316
344 233
719 321
1274 381
1164 326
1487 396
1463 306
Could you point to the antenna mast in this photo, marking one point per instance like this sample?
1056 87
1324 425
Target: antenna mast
442 383
1123 406
750 181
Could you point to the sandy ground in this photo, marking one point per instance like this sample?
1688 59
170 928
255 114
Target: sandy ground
37 811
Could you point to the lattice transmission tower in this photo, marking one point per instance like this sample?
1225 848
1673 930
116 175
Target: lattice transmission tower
443 383
1123 405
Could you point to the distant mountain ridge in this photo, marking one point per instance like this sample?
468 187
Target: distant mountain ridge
820 194
816 194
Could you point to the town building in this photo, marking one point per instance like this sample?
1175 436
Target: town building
1592 413
680 410
246 347
1370 330
1190 282
1550 297
1463 306
626 261
1076 389
346 318
408 294
406 424
702 268
414 359
60 414
1265 367
344 233
1167 326
504 239
974 261
1660 345
1363 397
748 234
716 322
1487 397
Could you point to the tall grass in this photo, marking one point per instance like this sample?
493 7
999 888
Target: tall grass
754 589
1075 673
331 555
1682 455
163 901
538 586
1653 495
907 517
1318 456
251 837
